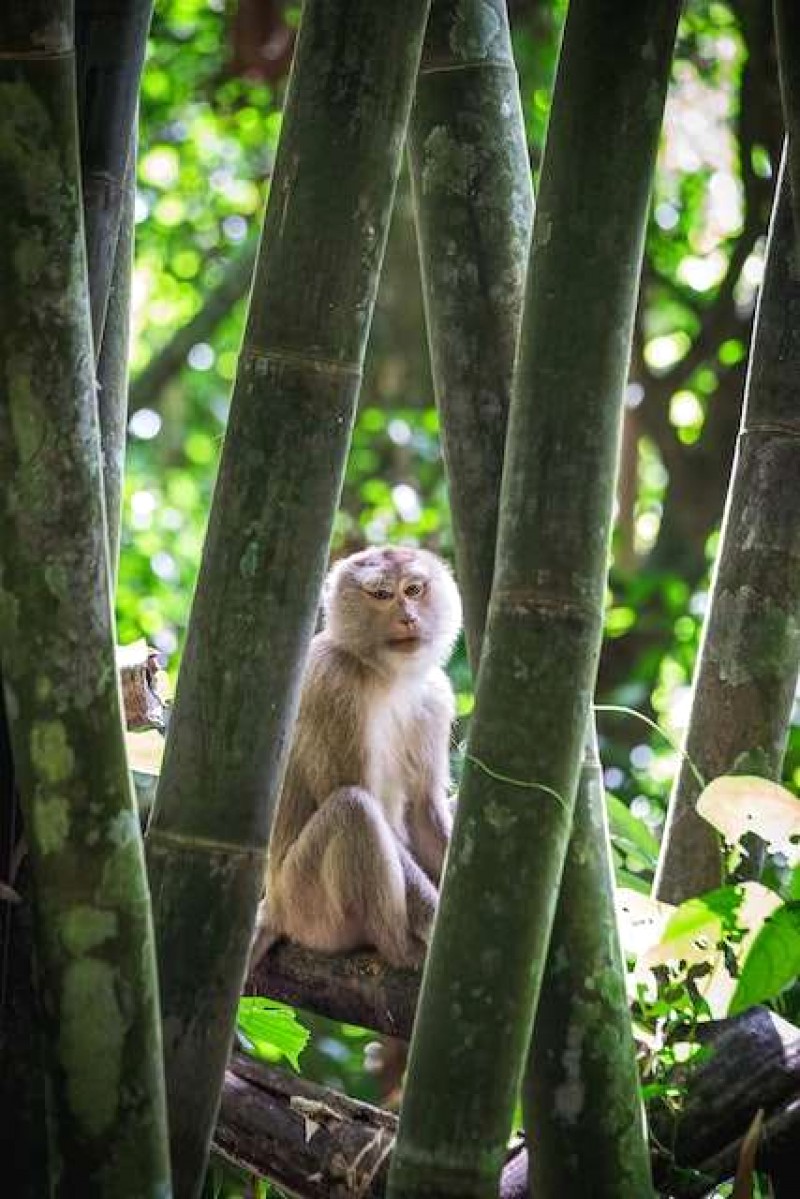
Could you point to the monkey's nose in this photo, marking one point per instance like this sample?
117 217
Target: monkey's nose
408 620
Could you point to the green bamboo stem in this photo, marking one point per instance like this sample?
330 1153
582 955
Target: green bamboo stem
747 666
473 204
787 37
24 1147
473 194
539 659
267 543
112 371
111 38
583 1110
94 947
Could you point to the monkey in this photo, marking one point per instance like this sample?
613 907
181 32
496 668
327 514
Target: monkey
363 817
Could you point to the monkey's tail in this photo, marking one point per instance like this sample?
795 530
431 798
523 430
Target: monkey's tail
265 935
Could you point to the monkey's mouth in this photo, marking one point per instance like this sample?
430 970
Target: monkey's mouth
405 645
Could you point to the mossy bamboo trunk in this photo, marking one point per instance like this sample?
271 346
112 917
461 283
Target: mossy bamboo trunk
787 36
94 946
267 543
112 370
111 40
539 659
473 195
746 671
584 1116
24 1147
473 203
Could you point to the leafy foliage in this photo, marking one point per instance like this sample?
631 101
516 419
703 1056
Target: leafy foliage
270 1030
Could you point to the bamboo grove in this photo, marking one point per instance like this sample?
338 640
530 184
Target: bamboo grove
123 988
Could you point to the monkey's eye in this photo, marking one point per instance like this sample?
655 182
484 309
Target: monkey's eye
414 590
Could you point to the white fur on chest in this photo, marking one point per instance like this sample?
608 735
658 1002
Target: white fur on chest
390 740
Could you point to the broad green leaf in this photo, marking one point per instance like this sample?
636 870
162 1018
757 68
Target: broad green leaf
631 882
740 804
626 827
773 961
271 1030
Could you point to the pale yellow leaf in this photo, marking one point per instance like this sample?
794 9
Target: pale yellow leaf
134 654
641 920
739 804
145 751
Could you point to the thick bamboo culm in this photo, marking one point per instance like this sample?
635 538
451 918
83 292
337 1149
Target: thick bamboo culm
473 205
112 371
747 667
111 40
787 39
473 194
95 963
539 658
267 544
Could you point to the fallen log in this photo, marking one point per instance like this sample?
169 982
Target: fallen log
311 1141
315 1143
755 1065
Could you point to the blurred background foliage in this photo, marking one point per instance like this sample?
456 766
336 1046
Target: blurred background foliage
212 93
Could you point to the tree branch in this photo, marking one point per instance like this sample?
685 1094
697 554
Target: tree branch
359 988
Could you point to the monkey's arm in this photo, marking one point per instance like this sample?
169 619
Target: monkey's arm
430 818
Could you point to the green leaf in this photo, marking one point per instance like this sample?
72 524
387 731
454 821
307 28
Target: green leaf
270 1030
626 827
634 882
773 961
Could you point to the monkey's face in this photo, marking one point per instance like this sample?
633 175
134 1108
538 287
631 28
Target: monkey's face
396 607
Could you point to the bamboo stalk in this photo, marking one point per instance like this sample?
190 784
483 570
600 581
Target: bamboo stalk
473 204
111 38
584 1114
545 618
94 948
112 371
24 1149
473 194
787 39
747 666
266 548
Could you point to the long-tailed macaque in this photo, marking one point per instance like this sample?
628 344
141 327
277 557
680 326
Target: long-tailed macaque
363 819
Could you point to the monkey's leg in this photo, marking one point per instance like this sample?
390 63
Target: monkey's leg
343 883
